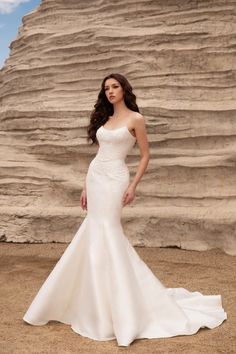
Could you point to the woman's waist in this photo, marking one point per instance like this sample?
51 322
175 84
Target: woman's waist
107 163
109 158
113 168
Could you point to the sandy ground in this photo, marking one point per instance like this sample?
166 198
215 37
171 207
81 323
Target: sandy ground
25 266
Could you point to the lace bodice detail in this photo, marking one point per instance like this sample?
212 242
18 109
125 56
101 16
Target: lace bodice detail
114 144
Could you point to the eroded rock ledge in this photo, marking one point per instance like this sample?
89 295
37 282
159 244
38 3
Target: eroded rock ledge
181 63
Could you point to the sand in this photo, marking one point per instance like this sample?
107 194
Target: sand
25 266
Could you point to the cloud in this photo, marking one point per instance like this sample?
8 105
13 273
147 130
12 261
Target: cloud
8 6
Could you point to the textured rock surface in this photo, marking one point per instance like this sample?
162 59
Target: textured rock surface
180 59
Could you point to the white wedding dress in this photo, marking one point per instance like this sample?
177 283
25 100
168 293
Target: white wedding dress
100 286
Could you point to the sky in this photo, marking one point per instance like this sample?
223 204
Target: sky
11 13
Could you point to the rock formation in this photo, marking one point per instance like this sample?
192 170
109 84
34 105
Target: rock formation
180 59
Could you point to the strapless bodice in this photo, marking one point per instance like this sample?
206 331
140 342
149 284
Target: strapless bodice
114 144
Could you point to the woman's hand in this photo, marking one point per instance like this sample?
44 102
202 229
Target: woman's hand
129 195
83 200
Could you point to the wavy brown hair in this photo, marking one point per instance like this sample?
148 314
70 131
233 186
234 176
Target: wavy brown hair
103 109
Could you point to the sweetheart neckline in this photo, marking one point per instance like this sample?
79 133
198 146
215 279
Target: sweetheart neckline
111 130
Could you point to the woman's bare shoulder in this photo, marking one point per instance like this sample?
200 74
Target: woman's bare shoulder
137 118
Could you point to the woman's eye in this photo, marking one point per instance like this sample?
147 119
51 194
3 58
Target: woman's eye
108 87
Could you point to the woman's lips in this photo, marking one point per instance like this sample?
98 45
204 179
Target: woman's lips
112 96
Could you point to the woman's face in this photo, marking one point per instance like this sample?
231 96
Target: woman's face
113 90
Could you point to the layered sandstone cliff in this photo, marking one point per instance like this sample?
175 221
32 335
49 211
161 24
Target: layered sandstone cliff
180 60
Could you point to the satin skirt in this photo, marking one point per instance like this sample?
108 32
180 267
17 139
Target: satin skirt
103 289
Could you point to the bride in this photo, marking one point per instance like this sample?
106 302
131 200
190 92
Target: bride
100 286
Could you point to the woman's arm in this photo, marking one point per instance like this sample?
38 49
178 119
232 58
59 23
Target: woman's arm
83 198
141 135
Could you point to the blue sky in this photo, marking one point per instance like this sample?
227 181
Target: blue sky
11 13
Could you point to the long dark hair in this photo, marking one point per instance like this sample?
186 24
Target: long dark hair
103 109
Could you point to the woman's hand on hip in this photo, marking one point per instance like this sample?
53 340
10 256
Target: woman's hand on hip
128 195
83 200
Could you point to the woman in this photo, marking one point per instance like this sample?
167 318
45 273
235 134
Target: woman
117 99
100 286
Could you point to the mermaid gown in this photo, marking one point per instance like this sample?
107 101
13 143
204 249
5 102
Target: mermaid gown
100 286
